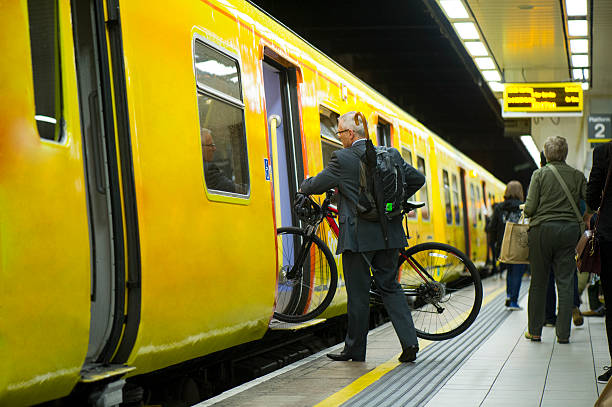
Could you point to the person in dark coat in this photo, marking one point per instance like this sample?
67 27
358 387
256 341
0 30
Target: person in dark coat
361 241
505 211
595 187
214 177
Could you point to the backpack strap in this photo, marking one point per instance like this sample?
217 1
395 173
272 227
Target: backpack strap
566 190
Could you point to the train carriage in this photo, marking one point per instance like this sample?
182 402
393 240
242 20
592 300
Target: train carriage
147 155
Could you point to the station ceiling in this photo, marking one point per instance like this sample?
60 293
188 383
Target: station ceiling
408 51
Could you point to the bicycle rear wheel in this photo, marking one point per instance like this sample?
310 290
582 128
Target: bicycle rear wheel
447 287
305 289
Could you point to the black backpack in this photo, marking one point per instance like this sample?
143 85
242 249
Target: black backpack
381 186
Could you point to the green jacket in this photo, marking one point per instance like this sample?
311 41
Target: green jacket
546 200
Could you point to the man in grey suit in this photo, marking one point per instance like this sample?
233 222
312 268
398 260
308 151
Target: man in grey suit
362 244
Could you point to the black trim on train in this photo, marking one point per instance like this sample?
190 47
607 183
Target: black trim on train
133 285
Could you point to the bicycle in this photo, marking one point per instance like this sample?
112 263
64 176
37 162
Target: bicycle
440 281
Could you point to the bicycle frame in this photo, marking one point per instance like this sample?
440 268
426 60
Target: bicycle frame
330 212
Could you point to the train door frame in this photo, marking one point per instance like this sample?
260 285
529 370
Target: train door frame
289 75
108 166
466 223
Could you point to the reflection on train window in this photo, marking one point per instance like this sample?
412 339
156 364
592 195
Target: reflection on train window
329 141
479 209
383 134
423 191
222 130
44 45
472 205
407 156
447 198
455 187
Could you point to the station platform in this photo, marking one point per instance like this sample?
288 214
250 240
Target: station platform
491 364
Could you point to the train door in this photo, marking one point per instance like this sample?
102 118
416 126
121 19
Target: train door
102 179
466 221
282 108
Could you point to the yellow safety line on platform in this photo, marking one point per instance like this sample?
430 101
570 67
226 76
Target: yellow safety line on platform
367 379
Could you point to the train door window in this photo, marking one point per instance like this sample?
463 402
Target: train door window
473 205
222 130
46 72
423 195
478 203
447 198
383 133
455 187
407 156
329 126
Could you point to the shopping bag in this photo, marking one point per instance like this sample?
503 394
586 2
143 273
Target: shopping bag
515 248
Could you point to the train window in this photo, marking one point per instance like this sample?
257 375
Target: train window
423 191
479 210
407 156
329 126
44 45
447 198
217 72
222 130
455 187
383 133
473 205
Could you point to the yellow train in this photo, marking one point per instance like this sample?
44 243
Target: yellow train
147 154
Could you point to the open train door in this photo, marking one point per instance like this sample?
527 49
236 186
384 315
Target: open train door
285 141
466 221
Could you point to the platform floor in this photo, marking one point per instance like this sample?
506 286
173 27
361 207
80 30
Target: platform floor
495 366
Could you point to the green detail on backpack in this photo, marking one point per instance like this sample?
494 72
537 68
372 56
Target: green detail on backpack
389 207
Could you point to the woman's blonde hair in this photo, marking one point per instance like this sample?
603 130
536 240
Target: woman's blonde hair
555 148
514 190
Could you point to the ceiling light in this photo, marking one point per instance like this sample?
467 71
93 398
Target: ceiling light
586 73
577 74
531 148
585 86
496 86
492 75
454 9
579 46
476 49
466 31
580 61
577 28
484 63
576 7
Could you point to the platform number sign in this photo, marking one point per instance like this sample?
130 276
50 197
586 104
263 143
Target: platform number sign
600 128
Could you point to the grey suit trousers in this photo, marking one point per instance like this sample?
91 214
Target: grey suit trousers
357 279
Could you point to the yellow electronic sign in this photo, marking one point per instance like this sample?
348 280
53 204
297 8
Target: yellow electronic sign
543 97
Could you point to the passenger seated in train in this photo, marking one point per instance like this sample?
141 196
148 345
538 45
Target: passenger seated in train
214 177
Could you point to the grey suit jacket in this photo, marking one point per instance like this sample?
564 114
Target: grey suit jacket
356 234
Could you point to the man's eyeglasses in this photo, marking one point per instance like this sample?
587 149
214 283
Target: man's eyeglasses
340 132
209 145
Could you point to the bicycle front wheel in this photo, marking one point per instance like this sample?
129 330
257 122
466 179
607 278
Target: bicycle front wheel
307 277
445 287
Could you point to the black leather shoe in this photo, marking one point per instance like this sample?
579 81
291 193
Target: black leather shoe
344 356
409 354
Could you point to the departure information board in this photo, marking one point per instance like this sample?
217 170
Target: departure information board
543 97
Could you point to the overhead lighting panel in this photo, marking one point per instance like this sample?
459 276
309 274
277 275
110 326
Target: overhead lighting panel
484 63
467 31
577 28
531 148
496 86
579 46
576 7
580 61
476 48
454 9
491 75
577 74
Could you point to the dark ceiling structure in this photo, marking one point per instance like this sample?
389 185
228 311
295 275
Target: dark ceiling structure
407 51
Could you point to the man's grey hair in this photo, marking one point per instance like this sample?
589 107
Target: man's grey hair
555 148
347 120
204 130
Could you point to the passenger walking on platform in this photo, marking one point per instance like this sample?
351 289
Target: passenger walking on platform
601 163
554 230
508 210
361 241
